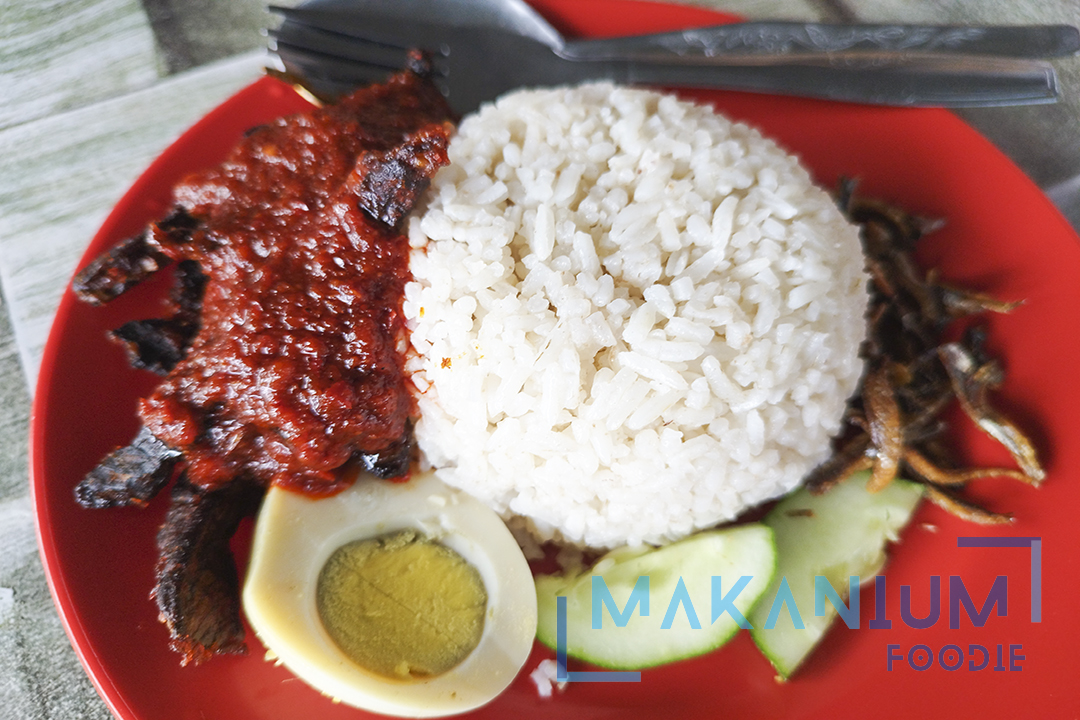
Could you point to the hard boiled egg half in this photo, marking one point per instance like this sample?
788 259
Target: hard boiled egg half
409 599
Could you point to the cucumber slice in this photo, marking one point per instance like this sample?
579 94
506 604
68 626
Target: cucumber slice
680 598
838 534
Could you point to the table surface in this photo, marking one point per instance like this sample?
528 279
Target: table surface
93 90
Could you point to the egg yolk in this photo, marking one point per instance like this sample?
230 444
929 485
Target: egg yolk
402 605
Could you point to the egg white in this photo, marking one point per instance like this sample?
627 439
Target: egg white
294 537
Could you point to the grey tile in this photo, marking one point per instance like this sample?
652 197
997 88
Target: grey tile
15 419
54 194
40 676
56 55
195 32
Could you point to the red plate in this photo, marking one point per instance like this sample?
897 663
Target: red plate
1002 236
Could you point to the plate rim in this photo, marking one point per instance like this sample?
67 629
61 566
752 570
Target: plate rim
70 615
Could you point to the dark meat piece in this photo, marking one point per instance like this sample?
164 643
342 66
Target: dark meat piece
130 475
131 261
158 344
392 462
125 265
176 229
391 182
198 591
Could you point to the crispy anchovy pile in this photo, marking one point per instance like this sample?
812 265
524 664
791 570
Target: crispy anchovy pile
893 426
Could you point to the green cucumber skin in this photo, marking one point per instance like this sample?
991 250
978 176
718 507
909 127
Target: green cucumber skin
642 643
846 536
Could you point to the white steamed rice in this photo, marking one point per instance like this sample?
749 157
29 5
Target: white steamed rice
631 318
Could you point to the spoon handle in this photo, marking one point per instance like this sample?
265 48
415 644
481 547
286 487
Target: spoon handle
702 45
913 80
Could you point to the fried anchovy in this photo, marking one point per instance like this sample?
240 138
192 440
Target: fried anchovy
851 458
130 475
963 509
894 422
197 589
158 344
971 381
959 301
925 469
886 432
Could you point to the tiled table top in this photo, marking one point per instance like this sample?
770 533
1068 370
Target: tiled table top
92 90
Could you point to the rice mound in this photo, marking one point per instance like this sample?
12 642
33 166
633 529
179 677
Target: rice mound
631 317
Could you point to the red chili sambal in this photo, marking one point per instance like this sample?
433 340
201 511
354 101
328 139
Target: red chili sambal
298 363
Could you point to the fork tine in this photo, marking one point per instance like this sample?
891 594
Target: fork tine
330 44
327 70
386 31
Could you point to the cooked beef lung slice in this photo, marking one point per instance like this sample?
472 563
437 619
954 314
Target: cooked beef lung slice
131 261
198 591
390 183
130 475
393 461
158 344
